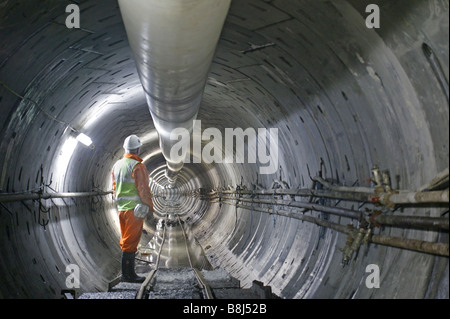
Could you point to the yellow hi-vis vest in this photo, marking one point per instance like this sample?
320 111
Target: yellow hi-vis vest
127 195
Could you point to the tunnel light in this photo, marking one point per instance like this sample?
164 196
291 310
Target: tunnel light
62 161
84 139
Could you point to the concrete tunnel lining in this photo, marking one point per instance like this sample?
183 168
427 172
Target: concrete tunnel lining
336 90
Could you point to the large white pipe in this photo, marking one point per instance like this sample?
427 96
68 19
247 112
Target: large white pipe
173 43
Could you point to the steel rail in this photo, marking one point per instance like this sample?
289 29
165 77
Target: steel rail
152 273
201 280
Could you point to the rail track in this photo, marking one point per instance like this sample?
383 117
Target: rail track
146 286
180 271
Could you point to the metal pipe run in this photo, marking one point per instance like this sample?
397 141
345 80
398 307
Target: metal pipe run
344 188
392 198
4 198
307 218
416 197
434 248
173 42
344 212
410 221
387 199
440 249
304 192
380 219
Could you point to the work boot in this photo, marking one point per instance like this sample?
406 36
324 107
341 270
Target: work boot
128 273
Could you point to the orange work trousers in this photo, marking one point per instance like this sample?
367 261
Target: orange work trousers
131 230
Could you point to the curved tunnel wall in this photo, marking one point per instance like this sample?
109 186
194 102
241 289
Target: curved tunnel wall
339 93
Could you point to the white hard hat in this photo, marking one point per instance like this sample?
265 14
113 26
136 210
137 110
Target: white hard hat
132 142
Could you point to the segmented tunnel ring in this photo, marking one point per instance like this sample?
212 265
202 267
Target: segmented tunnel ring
343 96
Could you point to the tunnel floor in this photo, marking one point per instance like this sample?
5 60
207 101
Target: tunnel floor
180 283
174 252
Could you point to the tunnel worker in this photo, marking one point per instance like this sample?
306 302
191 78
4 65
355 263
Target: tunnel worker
132 192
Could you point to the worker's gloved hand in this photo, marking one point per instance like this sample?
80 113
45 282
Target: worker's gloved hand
141 210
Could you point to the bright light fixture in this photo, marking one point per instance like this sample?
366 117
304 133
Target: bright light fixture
83 138
62 161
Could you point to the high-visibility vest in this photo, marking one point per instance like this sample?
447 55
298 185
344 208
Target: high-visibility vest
127 195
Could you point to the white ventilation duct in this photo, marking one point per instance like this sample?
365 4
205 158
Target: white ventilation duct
173 43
